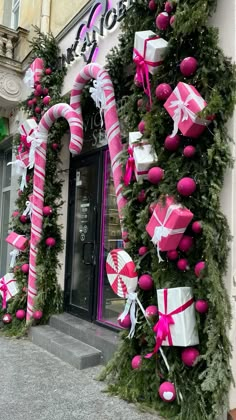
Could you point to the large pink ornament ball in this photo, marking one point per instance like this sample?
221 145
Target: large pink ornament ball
37 110
197 227
188 66
141 127
46 100
7 319
163 91
39 89
182 264
167 392
47 210
152 5
201 306
186 186
145 282
45 92
172 143
25 268
162 21
189 356
141 196
136 362
155 175
142 250
169 7
172 255
37 315
50 242
185 243
126 323
23 218
20 314
189 151
199 267
151 311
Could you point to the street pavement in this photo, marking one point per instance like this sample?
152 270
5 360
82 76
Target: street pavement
36 385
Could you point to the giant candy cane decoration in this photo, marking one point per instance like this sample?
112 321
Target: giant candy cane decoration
38 148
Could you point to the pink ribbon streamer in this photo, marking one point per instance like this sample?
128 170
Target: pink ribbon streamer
129 169
4 289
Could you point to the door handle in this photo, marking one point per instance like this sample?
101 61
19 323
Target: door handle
91 261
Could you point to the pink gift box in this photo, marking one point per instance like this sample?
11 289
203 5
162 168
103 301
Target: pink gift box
183 106
16 240
8 288
168 224
37 68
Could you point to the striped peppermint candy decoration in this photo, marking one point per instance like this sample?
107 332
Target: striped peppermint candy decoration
104 87
39 161
121 272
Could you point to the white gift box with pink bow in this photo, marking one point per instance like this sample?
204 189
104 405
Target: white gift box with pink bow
151 48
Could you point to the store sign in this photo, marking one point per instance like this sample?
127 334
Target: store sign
102 19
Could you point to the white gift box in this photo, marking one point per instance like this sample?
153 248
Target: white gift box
144 158
11 285
27 127
183 332
152 50
134 138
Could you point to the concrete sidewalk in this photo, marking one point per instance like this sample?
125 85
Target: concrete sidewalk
36 385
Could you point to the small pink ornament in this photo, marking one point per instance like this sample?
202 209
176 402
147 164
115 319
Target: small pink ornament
15 213
45 91
19 193
201 306
169 7
172 255
34 100
30 102
55 146
172 21
189 356
186 243
39 89
37 110
172 143
126 323
182 264
7 318
141 196
145 282
197 227
152 207
189 151
50 242
23 219
137 82
162 21
167 392
199 267
186 186
136 362
151 311
141 127
152 5
25 268
37 315
47 211
163 91
142 250
36 93
48 71
139 103
155 175
20 314
188 66
17 267
46 100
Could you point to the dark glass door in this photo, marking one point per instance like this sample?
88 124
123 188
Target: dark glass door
83 230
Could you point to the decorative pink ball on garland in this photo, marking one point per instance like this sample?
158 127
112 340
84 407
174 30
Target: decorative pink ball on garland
141 196
48 71
25 268
189 356
182 264
34 100
136 362
188 66
199 267
126 323
185 243
152 5
139 103
189 151
7 319
45 91
145 282
39 89
172 143
162 21
37 315
167 392
50 242
151 311
201 306
172 21
142 250
46 100
20 314
141 127
163 91
169 7
36 93
55 146
152 207
15 213
137 81
19 193
197 227
30 102
23 219
186 186
47 210
37 110
172 255
155 175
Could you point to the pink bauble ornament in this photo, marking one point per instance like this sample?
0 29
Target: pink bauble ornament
151 311
141 126
137 82
199 267
19 193
172 143
185 243
136 362
162 21
145 282
48 71
30 102
163 91
34 100
39 89
45 91
142 250
186 186
182 264
50 242
152 207
155 175
188 66
37 110
169 7
55 146
139 103
126 323
189 356
189 151
37 315
167 392
46 100
36 93
7 318
15 213
201 306
152 5
141 196
23 219
172 255
25 268
20 314
47 210
197 227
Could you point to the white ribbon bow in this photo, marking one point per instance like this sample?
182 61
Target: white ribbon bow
13 255
98 94
21 170
130 307
29 78
28 210
35 143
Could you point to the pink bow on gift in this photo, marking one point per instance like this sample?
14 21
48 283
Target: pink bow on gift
24 139
4 290
129 169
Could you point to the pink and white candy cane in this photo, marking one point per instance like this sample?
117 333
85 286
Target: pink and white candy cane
38 149
105 90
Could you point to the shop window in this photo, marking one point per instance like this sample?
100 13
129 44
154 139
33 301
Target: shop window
15 14
5 193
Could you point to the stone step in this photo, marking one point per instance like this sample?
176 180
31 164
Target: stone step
93 334
65 347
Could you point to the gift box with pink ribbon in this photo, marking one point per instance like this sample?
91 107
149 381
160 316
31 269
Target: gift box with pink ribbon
34 73
177 321
8 288
183 105
149 48
27 131
18 241
20 166
168 224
